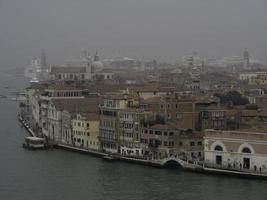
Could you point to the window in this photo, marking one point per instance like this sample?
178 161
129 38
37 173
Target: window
88 134
171 133
178 115
246 150
171 143
218 148
192 144
158 133
165 143
180 144
165 134
199 143
87 125
218 160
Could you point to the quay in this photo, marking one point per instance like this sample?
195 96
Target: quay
26 126
163 163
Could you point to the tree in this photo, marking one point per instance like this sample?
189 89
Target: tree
234 97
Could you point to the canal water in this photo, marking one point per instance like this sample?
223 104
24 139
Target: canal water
61 175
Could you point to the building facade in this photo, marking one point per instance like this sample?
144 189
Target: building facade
236 150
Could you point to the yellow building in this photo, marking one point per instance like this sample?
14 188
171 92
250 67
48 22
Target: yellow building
85 129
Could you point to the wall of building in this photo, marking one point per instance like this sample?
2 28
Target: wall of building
86 133
233 155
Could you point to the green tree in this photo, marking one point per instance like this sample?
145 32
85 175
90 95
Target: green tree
234 97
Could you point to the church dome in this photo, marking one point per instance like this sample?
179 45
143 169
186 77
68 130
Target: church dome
97 66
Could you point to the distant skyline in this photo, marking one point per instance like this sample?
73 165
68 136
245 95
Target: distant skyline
143 29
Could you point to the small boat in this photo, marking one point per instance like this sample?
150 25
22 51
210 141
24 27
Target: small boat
34 143
110 158
3 96
34 80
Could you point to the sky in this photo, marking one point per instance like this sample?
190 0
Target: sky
164 30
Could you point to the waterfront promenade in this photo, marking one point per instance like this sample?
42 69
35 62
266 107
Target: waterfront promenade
184 165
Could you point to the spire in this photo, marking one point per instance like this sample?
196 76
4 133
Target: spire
43 60
96 58
246 64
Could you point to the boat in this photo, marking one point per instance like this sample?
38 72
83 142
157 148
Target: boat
34 143
34 80
110 158
3 96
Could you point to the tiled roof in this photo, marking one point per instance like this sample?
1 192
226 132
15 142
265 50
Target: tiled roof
85 105
63 86
64 69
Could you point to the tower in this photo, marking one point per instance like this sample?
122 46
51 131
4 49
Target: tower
96 57
87 64
246 63
88 70
43 60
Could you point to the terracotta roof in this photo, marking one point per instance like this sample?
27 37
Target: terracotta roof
64 69
151 100
173 127
90 116
85 105
63 86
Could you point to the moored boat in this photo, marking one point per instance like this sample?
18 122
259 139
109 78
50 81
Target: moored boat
110 158
34 143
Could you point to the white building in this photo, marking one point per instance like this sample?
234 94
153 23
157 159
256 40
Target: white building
236 150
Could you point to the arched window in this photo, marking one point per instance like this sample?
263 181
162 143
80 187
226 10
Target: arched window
246 150
218 148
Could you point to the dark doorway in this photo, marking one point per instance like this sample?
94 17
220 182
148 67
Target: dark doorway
218 160
246 163
172 164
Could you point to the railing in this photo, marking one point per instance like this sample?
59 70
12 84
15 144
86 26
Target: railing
238 168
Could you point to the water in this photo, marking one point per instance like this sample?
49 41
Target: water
57 174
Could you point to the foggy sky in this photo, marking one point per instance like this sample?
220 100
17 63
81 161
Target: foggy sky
144 29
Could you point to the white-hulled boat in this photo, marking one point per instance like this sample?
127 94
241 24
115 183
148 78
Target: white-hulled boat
34 143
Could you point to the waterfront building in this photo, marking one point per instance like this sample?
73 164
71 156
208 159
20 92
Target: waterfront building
248 75
66 127
85 130
56 91
119 124
130 120
190 112
242 150
71 73
165 140
55 111
109 122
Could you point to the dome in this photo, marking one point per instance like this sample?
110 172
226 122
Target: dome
97 66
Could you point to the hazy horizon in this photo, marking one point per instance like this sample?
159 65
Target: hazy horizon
143 29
